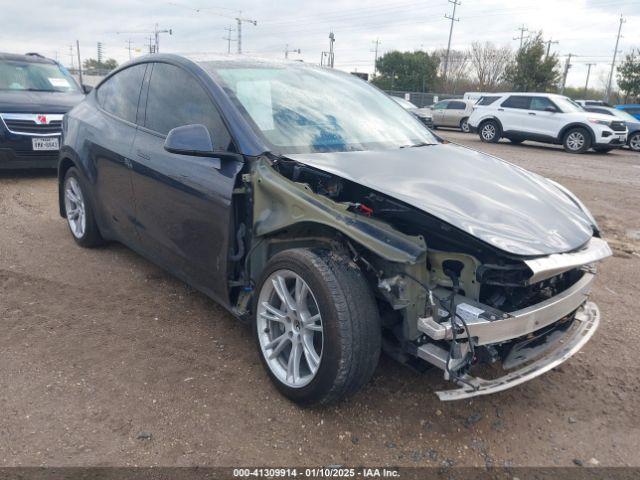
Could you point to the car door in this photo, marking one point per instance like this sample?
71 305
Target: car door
544 118
513 113
110 140
183 202
438 112
454 112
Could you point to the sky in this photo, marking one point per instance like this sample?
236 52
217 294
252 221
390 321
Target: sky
585 28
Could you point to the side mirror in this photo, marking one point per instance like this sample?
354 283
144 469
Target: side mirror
190 140
87 88
551 109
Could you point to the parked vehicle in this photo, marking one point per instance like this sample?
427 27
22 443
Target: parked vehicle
34 94
423 114
474 96
633 124
631 109
592 103
452 113
547 118
311 205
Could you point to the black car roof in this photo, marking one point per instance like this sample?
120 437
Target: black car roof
29 57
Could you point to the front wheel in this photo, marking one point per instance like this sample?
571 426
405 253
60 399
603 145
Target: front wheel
317 326
577 140
634 142
490 131
464 125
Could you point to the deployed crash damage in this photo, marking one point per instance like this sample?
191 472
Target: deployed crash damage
472 261
466 272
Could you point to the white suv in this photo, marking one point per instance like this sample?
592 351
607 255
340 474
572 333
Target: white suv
548 118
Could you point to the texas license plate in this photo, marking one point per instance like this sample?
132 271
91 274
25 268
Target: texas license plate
45 143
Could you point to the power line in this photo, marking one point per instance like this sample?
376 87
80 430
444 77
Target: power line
549 43
522 29
453 18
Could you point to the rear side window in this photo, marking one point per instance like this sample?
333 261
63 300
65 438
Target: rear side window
517 101
175 99
440 105
453 105
487 100
119 95
540 103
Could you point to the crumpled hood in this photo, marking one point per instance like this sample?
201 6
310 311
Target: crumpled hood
18 101
514 210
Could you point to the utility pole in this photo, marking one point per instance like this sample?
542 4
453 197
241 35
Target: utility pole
239 19
567 66
79 61
549 43
375 58
586 84
613 63
287 51
99 52
522 29
129 47
453 19
228 38
152 48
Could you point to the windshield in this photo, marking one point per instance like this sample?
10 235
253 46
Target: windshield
567 105
300 109
42 77
622 115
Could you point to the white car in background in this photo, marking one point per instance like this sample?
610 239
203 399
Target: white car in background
547 118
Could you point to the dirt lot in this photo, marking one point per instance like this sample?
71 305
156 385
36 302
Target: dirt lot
107 360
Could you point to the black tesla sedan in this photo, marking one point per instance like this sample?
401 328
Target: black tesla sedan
311 205
35 92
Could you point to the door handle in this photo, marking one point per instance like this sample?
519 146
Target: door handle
143 155
531 113
501 109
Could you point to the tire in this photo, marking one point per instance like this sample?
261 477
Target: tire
464 125
576 140
516 141
326 288
489 131
79 212
634 142
602 149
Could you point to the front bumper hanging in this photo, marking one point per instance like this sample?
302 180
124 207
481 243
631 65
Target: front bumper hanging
587 319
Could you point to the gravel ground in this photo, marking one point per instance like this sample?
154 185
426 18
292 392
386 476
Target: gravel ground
107 360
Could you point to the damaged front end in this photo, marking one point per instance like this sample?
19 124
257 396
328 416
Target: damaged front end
446 298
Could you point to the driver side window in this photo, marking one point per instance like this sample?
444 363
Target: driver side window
176 98
441 105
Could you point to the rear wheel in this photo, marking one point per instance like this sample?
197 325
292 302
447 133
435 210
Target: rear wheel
634 142
464 125
490 131
577 140
79 211
316 325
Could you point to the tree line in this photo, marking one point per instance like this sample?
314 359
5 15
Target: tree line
486 67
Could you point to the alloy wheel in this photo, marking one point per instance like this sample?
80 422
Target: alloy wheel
634 142
575 141
465 127
289 327
74 207
488 131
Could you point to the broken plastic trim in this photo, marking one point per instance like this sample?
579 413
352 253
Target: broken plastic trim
586 322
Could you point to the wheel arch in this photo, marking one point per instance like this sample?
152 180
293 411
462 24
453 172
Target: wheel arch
488 118
570 126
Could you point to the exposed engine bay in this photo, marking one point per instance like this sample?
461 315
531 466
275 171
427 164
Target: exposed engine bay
455 302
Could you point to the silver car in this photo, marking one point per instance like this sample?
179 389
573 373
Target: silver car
452 113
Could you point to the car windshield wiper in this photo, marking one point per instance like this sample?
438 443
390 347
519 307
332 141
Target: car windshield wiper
421 144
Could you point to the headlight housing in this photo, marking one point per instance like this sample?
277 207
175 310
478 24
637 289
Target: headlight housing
606 123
